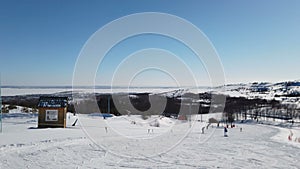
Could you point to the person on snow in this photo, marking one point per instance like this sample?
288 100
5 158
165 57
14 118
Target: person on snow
225 132
290 137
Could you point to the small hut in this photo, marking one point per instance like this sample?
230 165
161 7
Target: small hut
52 112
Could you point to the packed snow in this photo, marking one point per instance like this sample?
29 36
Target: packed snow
134 142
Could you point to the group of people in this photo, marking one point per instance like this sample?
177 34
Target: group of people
226 130
290 137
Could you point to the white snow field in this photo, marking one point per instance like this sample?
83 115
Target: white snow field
130 142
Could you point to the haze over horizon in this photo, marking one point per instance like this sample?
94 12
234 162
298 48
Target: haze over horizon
256 41
144 86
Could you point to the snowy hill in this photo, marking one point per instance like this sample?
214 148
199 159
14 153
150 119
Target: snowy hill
287 92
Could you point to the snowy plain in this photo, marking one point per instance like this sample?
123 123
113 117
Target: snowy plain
14 91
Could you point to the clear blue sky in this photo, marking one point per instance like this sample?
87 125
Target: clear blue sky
41 40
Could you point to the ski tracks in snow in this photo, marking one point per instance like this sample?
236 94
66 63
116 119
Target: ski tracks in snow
56 153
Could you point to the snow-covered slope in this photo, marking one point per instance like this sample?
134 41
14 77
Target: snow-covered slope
119 143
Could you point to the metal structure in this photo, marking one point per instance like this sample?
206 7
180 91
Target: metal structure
0 108
108 104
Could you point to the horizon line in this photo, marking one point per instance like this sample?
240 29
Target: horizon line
123 86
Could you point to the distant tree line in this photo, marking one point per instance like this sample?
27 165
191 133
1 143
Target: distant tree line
236 108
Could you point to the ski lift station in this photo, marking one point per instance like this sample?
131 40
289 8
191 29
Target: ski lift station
52 112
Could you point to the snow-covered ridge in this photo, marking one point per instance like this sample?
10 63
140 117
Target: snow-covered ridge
287 92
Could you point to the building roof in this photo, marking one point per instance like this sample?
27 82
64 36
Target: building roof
53 102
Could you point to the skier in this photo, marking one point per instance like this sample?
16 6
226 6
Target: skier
290 137
225 132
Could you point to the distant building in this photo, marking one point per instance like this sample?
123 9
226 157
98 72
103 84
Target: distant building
52 112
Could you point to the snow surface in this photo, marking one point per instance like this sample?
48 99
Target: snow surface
27 91
268 91
156 142
131 142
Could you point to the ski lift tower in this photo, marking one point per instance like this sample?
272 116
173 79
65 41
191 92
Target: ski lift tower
0 107
108 104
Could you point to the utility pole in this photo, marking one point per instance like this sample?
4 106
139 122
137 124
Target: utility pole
108 104
201 112
190 115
